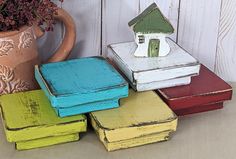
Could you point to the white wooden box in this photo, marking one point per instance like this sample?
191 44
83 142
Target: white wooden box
154 73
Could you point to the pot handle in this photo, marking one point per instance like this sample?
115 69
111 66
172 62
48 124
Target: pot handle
68 42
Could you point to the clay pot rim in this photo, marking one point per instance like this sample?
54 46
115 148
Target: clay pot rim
4 34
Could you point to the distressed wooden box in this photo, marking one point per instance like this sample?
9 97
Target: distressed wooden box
30 121
142 118
153 73
81 85
206 92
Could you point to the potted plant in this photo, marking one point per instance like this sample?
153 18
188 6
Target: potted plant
20 22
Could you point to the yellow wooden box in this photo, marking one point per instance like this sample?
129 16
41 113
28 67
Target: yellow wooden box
30 121
143 118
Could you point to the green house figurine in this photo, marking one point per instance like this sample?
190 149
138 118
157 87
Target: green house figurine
151 28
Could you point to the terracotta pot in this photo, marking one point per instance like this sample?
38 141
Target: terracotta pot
19 54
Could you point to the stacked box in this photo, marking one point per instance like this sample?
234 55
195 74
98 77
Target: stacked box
151 73
142 118
81 85
30 121
206 92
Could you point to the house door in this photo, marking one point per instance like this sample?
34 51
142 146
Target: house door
153 48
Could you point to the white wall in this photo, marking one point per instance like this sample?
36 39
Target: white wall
205 28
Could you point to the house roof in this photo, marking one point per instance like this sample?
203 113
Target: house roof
151 20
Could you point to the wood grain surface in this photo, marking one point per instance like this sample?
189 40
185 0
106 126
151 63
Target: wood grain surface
208 34
198 29
116 15
226 48
87 15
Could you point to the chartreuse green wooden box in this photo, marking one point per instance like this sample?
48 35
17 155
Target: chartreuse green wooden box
142 118
30 121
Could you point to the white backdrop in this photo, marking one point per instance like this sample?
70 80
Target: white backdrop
205 28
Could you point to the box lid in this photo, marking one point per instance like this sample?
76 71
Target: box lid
139 114
178 63
204 89
30 112
80 81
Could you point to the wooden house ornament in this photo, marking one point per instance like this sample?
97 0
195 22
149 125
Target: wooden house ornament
151 28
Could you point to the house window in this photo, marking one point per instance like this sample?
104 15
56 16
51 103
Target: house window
141 39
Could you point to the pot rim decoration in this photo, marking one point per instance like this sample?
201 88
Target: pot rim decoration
4 34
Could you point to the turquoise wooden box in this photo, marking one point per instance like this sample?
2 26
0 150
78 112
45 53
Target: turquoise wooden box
81 85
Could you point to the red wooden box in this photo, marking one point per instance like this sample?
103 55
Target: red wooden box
206 92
